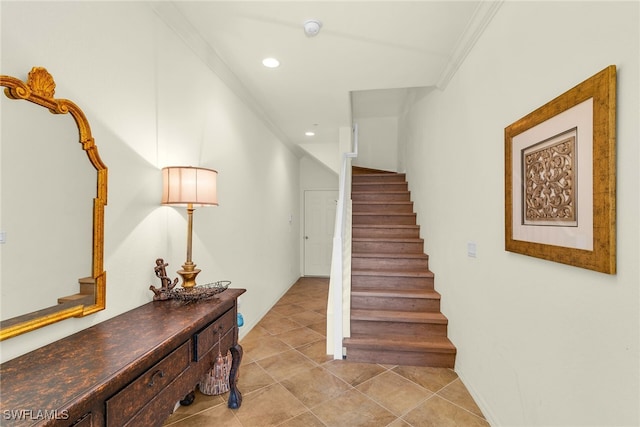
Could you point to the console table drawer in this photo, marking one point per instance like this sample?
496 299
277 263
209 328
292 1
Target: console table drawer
208 337
122 406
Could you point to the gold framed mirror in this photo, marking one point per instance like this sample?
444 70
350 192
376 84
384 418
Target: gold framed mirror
39 89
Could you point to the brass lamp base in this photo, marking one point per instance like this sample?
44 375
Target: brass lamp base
188 274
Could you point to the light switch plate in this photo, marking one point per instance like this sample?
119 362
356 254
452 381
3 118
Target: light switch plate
471 249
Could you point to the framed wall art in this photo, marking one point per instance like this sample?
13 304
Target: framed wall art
560 180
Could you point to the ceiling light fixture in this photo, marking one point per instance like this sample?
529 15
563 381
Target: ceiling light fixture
312 27
271 62
309 133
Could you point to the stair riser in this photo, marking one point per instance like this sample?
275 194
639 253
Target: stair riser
381 197
391 177
399 219
358 263
417 330
389 283
408 358
380 187
397 207
398 233
391 303
370 247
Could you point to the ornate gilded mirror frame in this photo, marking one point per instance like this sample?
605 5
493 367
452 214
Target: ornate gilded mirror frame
39 89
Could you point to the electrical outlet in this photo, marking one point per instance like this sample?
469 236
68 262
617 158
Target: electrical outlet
471 249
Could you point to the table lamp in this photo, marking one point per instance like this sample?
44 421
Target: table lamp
189 187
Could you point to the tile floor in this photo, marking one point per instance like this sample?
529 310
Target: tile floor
287 380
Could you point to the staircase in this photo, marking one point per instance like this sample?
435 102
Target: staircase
395 310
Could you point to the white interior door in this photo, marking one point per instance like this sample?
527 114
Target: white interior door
319 220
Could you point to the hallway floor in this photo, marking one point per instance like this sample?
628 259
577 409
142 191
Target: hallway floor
287 380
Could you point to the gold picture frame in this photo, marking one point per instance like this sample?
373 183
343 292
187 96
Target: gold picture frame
560 178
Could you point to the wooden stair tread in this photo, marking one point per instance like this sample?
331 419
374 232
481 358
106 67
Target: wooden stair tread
396 293
384 213
383 226
440 344
396 191
377 187
382 202
399 316
376 172
393 273
361 170
388 239
414 255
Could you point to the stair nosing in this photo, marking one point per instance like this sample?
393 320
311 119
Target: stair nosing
384 226
386 193
434 344
388 239
395 255
382 202
384 213
398 293
426 317
392 272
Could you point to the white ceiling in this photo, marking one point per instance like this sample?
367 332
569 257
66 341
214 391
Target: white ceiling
371 51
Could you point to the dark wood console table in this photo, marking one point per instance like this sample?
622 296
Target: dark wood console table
126 371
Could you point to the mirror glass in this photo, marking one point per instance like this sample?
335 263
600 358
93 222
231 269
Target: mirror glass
51 211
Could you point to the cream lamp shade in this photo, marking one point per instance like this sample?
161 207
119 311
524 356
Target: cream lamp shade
187 185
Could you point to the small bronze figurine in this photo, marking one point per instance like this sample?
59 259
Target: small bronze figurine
164 292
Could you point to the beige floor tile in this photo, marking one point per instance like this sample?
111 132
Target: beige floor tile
353 409
316 351
399 423
318 304
252 377
217 416
286 364
319 327
457 393
352 372
269 406
201 403
394 392
287 309
262 347
432 378
300 336
437 412
292 298
256 332
306 419
315 386
308 317
278 324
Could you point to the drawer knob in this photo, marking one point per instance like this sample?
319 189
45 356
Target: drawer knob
158 373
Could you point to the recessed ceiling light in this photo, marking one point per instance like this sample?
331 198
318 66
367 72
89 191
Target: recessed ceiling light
271 62
309 133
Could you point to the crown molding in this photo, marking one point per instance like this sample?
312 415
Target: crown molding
483 14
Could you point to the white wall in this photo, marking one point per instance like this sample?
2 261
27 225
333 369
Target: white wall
152 103
377 143
539 343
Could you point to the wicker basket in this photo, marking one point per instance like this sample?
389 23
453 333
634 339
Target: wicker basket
216 381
